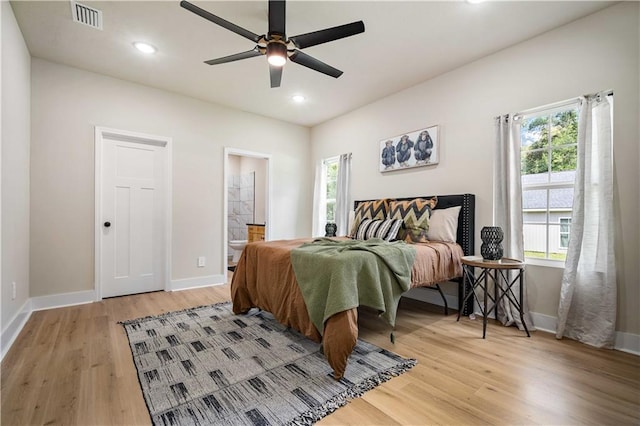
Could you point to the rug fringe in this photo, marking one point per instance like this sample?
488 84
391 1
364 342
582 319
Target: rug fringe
340 400
165 314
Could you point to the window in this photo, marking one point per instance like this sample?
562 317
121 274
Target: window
565 228
331 176
548 162
327 194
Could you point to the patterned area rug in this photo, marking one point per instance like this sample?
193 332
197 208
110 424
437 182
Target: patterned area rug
208 366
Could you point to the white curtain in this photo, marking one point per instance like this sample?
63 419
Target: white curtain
587 310
343 194
319 201
507 212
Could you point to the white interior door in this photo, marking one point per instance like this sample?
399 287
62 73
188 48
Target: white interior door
132 246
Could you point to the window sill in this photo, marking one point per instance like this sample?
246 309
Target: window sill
545 262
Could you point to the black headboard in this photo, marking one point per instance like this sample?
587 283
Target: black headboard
466 218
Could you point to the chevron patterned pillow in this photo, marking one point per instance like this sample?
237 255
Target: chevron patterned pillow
415 214
376 209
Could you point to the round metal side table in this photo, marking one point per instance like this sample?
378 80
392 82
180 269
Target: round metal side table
498 271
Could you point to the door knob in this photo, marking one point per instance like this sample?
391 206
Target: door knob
107 224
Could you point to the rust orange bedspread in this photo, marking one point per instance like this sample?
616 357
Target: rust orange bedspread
264 279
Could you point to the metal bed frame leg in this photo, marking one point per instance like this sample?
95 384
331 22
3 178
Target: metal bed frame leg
444 299
465 304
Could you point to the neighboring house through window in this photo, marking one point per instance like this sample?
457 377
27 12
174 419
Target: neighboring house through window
548 164
565 228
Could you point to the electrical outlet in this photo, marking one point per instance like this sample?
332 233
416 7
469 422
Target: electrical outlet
13 290
201 261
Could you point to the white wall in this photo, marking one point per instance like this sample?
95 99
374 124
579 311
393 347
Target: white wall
66 105
596 53
15 124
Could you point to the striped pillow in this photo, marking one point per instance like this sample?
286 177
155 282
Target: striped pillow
384 229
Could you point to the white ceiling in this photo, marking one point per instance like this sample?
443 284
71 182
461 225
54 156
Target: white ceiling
405 43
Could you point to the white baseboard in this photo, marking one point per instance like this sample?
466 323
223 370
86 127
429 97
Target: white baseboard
543 322
625 342
14 328
197 282
61 300
52 301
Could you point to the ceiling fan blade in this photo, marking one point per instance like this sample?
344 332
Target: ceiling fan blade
222 22
275 73
244 55
277 17
329 34
310 62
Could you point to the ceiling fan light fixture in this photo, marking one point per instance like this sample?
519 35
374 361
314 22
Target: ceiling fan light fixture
276 45
277 54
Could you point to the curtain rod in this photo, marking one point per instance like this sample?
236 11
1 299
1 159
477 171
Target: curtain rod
556 105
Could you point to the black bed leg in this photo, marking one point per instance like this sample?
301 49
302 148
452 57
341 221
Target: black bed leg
444 299
464 287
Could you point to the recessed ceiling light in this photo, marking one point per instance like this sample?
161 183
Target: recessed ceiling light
298 98
144 47
475 1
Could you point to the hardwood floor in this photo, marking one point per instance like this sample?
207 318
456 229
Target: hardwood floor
73 366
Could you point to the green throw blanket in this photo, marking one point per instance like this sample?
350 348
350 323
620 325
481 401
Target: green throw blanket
336 276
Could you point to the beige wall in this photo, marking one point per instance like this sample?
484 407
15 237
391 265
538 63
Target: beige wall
15 89
259 166
66 105
596 53
234 165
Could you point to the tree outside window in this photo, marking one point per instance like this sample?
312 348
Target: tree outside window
548 162
332 183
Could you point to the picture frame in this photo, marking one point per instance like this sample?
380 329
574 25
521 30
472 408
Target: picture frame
402 152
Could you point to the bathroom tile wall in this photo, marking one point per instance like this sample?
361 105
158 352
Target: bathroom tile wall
241 198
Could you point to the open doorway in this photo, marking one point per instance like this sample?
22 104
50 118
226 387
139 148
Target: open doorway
246 201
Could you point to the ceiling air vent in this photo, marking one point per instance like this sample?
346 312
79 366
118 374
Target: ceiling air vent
86 15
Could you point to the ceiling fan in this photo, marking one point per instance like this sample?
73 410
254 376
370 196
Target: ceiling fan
275 43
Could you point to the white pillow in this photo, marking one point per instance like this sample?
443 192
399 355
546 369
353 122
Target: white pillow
443 224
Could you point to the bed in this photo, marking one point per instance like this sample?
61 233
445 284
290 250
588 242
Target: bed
264 278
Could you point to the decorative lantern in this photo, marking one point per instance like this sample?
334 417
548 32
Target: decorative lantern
491 248
330 229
